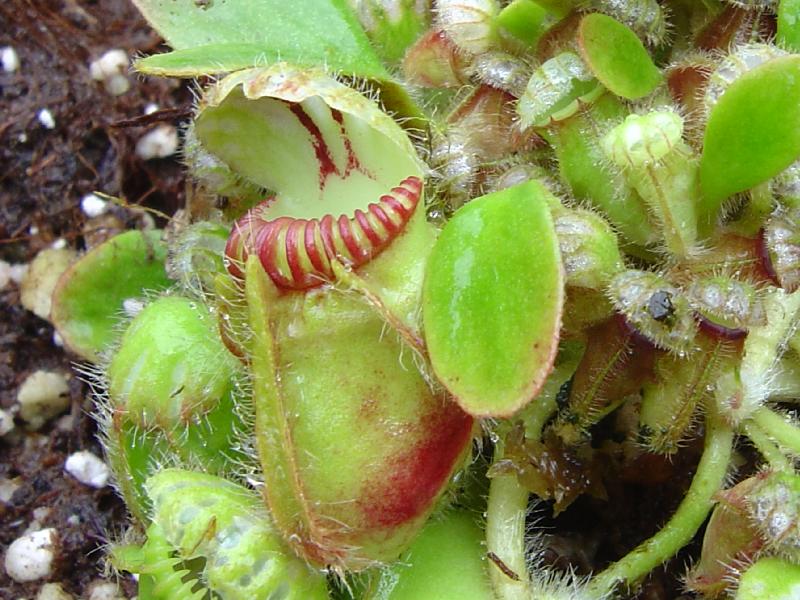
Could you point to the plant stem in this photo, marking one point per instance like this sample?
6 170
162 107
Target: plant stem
684 524
538 413
505 538
779 428
768 449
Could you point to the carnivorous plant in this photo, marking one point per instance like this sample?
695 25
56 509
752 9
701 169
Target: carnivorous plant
444 261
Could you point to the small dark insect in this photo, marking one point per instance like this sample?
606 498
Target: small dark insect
562 396
660 306
502 566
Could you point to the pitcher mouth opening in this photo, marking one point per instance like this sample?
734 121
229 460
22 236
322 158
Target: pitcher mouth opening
344 179
297 252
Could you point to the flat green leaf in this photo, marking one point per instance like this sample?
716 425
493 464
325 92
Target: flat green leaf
393 26
492 300
234 34
753 132
617 57
525 20
87 302
789 25
208 60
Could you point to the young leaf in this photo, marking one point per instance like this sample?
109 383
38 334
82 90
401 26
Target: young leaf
492 300
223 36
753 132
425 571
393 26
789 24
617 57
89 296
525 20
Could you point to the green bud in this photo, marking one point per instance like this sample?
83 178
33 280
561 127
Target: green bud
643 140
171 366
170 388
663 170
228 526
556 91
771 578
469 23
774 507
589 248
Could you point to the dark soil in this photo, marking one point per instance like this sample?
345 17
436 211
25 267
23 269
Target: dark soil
44 174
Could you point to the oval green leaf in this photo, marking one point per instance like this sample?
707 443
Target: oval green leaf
492 300
617 57
88 299
753 132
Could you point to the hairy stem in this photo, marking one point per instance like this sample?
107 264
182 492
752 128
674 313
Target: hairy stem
538 413
684 524
766 447
505 538
779 428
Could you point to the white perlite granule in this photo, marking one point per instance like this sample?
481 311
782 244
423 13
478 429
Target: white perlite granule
39 282
53 591
43 395
87 468
9 58
112 69
30 557
6 422
46 118
93 205
158 143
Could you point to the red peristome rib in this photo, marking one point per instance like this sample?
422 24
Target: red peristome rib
388 224
327 232
244 230
268 245
292 245
356 251
396 206
367 228
296 258
409 195
313 248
